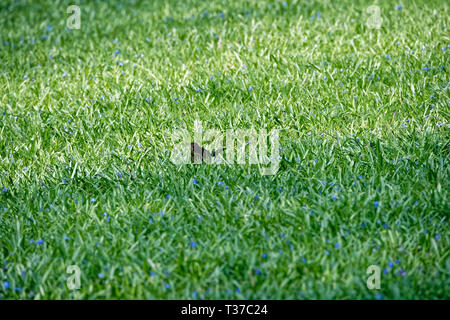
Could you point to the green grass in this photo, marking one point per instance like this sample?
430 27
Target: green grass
363 119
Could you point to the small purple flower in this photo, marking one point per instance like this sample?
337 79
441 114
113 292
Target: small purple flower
327 252
437 237
193 244
402 272
237 290
39 242
100 275
376 204
194 181
333 197
6 285
336 245
167 286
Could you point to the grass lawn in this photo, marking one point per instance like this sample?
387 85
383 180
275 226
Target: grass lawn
86 179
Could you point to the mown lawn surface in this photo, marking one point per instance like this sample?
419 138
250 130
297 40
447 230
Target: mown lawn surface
86 178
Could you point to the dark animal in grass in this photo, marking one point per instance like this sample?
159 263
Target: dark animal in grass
198 154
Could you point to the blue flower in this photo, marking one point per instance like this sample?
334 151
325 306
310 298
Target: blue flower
152 274
327 252
116 52
386 270
194 181
6 284
379 296
375 204
264 255
66 238
100 275
167 286
336 245
49 28
388 57
93 200
237 290
426 69
193 244
39 242
304 259
385 226
398 7
333 197
258 272
5 189
168 196
437 237
391 264
221 15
